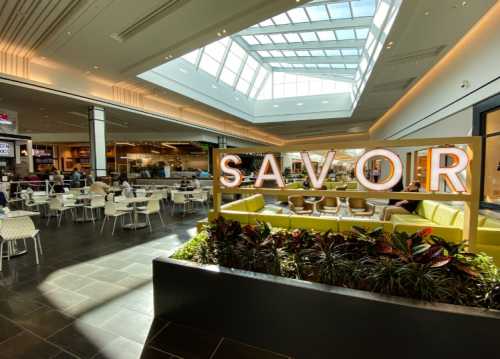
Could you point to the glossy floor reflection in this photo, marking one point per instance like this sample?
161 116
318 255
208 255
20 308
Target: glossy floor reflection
92 297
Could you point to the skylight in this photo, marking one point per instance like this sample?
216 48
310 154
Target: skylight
319 48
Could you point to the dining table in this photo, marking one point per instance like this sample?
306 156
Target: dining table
134 201
14 248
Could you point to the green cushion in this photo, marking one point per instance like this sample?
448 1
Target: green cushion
255 203
321 224
491 223
459 220
489 236
352 185
426 209
239 216
346 225
444 215
239 205
275 220
410 219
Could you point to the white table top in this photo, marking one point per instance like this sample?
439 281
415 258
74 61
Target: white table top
133 200
19 213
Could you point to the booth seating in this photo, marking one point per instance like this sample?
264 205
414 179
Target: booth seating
255 204
330 185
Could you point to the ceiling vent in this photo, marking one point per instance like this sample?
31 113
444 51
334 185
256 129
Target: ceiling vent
416 55
149 19
393 85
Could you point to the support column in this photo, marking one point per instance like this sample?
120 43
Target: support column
29 149
222 141
97 127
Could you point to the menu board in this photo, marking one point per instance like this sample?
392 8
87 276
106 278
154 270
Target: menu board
6 149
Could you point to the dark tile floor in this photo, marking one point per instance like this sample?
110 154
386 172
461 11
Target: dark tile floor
92 297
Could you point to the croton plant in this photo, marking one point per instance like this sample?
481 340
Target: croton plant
420 265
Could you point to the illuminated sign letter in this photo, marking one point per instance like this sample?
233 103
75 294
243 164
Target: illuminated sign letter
450 174
315 181
227 170
269 161
395 173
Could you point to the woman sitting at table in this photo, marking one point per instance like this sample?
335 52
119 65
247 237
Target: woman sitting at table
99 187
126 187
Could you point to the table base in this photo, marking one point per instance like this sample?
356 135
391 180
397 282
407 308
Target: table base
138 225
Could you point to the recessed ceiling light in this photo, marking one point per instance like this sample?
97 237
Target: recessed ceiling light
224 31
95 67
464 3
219 34
68 33
427 13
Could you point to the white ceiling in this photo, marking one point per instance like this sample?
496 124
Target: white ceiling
118 39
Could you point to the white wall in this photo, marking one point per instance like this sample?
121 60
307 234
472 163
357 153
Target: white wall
438 95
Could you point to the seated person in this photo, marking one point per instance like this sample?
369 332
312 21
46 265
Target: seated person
195 182
126 187
404 206
185 182
99 187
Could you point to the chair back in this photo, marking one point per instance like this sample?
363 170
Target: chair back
296 201
156 196
178 197
330 202
56 204
98 201
357 203
16 228
153 206
140 192
110 209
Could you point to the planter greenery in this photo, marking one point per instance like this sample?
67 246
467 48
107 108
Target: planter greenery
419 266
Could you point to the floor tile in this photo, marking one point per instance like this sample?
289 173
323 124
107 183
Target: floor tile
61 298
130 324
109 275
230 349
82 339
101 291
15 308
71 281
82 269
8 329
186 342
27 346
113 263
44 322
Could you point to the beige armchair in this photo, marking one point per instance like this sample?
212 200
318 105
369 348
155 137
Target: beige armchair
328 205
358 207
297 205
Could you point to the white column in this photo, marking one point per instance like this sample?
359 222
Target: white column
97 127
29 149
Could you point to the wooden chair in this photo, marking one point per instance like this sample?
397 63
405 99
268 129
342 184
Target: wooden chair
359 207
298 205
329 206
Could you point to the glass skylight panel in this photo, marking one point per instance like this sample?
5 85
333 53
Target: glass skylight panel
285 65
263 53
292 37
298 66
310 66
233 62
242 86
277 38
362 33
345 34
323 66
267 22
326 35
267 90
247 73
276 53
363 8
281 19
338 66
263 39
192 57
308 36
216 49
303 53
332 52
351 66
288 53
317 53
209 65
258 81
249 39
339 10
275 64
228 77
349 52
298 15
317 13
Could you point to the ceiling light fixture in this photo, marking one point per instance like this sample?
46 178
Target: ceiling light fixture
95 67
464 3
300 104
426 13
224 31
68 33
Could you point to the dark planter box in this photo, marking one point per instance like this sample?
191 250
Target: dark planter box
308 320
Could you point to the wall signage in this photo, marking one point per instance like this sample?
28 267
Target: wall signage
6 149
269 170
4 119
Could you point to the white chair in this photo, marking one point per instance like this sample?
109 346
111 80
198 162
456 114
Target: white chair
111 211
200 197
96 203
153 207
179 199
140 192
56 205
13 229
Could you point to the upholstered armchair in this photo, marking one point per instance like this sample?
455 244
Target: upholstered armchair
329 206
297 205
358 207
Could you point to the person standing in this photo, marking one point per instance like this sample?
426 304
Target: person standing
76 177
58 182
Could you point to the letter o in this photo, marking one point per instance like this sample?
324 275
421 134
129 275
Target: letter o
396 170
